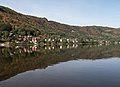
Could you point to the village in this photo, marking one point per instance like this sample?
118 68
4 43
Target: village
38 40
50 41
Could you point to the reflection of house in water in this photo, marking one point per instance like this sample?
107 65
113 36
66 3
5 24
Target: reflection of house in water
60 47
29 49
4 44
35 48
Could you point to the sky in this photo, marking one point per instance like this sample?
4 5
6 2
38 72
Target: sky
73 12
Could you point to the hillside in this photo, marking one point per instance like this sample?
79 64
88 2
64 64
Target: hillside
13 24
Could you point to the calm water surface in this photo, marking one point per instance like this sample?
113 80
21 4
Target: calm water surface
83 66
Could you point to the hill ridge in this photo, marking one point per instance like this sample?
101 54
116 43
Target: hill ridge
20 24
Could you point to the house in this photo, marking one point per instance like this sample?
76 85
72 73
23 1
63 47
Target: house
35 39
68 40
61 40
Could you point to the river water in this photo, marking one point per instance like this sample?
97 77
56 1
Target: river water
63 66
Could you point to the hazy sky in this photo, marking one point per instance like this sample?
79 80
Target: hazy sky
75 12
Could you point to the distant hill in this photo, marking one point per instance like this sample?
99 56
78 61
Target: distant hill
14 23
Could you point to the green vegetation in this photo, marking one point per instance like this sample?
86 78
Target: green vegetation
14 26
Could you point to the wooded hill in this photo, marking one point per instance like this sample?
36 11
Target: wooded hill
13 24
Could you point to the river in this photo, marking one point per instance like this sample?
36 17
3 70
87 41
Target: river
60 66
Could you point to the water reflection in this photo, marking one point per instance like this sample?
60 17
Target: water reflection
34 48
19 59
